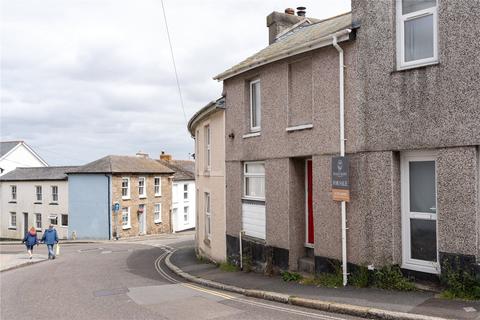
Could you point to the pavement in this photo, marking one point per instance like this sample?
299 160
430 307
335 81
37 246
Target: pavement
368 302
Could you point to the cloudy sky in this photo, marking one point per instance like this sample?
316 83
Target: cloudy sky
81 79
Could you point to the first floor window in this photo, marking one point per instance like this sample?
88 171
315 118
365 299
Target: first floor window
185 191
254 180
65 220
157 213
141 187
54 193
14 192
38 221
126 217
53 219
417 32
207 148
185 214
125 188
13 219
208 227
157 186
38 191
255 106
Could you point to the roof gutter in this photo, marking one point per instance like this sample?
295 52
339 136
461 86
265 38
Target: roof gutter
342 35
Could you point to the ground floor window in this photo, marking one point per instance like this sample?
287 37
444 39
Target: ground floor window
185 215
126 217
13 220
65 220
53 219
157 213
208 213
419 212
38 221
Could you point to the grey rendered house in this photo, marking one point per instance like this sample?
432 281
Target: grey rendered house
412 136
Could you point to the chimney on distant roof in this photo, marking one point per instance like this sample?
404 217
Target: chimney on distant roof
165 156
301 11
279 21
142 154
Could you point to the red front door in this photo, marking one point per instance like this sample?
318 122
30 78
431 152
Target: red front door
309 194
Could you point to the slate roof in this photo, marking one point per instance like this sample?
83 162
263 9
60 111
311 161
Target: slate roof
6 146
184 169
123 164
204 112
289 42
37 174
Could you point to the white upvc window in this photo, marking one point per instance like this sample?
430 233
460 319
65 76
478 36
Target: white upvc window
13 220
125 188
54 193
141 187
38 221
38 192
208 155
13 195
185 215
53 219
254 180
208 215
255 106
126 218
417 35
185 191
157 186
157 213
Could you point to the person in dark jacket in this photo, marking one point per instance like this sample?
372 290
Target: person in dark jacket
30 240
50 237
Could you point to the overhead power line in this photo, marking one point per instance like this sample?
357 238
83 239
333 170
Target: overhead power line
174 65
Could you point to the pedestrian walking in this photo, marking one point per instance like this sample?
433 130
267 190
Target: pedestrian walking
50 238
30 240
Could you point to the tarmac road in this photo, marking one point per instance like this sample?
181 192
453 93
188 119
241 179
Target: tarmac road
120 280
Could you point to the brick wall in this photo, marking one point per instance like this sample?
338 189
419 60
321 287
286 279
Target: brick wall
149 201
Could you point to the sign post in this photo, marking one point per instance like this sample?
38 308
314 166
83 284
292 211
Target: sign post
116 208
340 180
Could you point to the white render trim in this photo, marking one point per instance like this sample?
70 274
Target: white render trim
251 135
407 261
300 127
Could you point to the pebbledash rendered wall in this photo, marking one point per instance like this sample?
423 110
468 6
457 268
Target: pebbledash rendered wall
387 113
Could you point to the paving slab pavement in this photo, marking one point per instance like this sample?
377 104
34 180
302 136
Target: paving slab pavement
10 261
418 302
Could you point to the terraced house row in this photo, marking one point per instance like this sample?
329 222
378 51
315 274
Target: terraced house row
382 84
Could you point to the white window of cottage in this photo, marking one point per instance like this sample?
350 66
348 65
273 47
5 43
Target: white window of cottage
13 220
13 190
208 214
254 180
54 193
141 187
208 157
157 186
417 40
38 221
125 188
126 218
255 106
38 192
157 213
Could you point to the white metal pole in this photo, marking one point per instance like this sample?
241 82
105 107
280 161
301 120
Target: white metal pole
342 153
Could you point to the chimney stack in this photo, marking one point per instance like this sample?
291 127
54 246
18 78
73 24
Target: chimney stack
142 154
165 156
279 21
301 11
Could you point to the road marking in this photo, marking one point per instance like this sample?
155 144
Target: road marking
164 274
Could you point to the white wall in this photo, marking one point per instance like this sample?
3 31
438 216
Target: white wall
179 203
26 198
20 156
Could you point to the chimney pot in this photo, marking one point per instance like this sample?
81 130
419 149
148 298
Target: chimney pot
165 156
301 11
142 154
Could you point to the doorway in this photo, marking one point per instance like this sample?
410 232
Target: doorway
25 222
141 220
309 225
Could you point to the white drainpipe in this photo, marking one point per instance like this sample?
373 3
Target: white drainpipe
241 250
342 153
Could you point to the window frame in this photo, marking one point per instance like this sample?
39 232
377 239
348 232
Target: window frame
185 192
13 192
157 188
53 217
37 221
208 215
258 127
144 187
61 220
159 211
127 196
12 225
208 147
129 221
400 32
38 195
246 175
186 213
54 194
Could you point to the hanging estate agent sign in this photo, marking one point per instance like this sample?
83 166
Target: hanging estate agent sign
340 181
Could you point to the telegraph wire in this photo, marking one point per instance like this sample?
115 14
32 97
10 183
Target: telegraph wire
174 64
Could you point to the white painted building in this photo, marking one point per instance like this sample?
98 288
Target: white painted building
183 193
34 197
15 154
